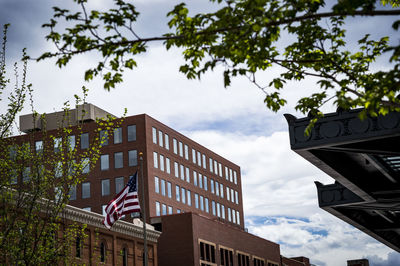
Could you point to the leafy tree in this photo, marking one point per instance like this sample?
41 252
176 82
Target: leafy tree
245 37
38 171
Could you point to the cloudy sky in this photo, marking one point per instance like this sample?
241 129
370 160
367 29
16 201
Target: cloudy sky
280 200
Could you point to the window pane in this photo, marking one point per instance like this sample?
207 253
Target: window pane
164 209
206 205
204 161
189 198
169 189
39 146
84 140
86 190
117 135
211 165
212 185
205 183
104 137
194 155
237 217
177 192
228 194
169 209
236 197
157 208
168 166
201 203
72 193
195 178
104 162
175 145
156 185
57 144
85 165
213 207
155 159
235 177
182 172
187 174
221 188
71 142
119 184
163 187
154 135
160 138
176 169
186 152
180 149
132 156
161 162
196 200
105 187
226 173
198 158
216 188
118 160
166 141
58 170
229 215
200 181
222 211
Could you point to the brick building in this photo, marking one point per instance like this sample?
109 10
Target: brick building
192 195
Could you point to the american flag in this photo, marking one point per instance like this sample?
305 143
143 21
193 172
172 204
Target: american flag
125 202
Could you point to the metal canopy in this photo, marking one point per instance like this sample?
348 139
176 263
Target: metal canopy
364 159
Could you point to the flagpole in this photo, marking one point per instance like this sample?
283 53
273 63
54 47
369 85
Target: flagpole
143 211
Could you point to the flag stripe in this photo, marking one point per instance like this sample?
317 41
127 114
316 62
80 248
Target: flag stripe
125 202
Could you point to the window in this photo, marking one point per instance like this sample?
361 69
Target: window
211 165
169 209
205 183
118 160
177 192
220 169
204 161
198 158
183 195
156 185
58 170
117 135
178 211
201 203
161 162
155 159
229 215
218 210
39 146
124 257
195 178
164 209
228 194
169 190
105 187
78 247
226 256
84 141
237 217
175 145
167 164
222 211
187 174
104 162
131 132
87 209
166 141
207 252
236 197
182 172
104 137
200 181
163 187
232 196
206 205
222 190
196 200
213 207
235 177
72 192
180 149
186 152
233 216
216 167
194 156
85 190
216 188
102 252
230 175
243 259
103 210
132 158
119 184
226 173
85 165
258 262
158 213
160 138
212 186
176 169
154 135
189 198
57 144
71 142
